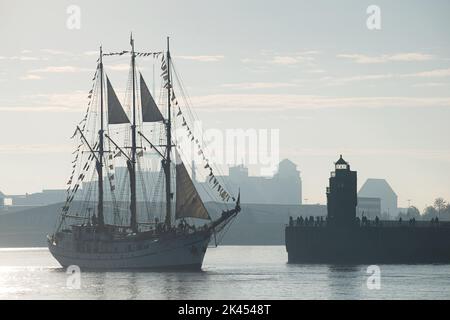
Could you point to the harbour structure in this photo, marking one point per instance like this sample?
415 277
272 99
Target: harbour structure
342 237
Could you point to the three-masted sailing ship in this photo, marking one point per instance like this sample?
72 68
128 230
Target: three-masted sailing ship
111 222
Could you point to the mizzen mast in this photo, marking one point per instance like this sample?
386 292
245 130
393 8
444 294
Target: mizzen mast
167 160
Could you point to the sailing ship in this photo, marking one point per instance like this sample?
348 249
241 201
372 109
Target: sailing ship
97 227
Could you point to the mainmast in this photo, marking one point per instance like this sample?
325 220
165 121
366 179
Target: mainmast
132 163
168 220
99 164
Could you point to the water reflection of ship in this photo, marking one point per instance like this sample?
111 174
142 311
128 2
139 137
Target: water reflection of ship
343 238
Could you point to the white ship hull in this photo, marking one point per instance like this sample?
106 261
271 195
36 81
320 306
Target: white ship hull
183 252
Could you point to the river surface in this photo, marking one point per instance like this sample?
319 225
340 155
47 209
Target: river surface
229 272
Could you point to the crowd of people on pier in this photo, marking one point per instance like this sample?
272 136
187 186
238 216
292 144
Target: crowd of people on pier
363 221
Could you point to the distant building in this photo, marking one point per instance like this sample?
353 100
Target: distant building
285 187
379 188
341 195
46 197
2 199
146 186
368 207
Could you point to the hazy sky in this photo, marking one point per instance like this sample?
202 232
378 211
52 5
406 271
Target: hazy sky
309 68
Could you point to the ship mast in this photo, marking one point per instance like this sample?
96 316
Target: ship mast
99 164
132 162
168 220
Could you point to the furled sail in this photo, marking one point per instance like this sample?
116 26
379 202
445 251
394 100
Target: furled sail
116 114
150 111
188 201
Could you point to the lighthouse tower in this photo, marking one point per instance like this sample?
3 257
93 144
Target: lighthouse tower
341 195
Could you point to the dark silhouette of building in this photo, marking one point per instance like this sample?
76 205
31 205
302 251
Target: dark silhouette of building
380 188
368 207
341 195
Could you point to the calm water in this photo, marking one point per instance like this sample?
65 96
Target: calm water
229 272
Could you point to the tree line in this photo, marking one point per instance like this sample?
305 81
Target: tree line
440 209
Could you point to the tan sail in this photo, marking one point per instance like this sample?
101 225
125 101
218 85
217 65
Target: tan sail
150 111
188 201
116 114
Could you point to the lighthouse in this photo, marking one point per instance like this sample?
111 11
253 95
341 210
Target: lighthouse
342 195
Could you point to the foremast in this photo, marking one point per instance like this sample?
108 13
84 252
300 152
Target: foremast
131 164
99 162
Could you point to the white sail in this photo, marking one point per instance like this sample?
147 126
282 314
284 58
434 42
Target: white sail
150 111
116 114
188 201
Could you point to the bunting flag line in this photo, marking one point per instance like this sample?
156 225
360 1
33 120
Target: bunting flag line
90 95
73 136
222 193
138 54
